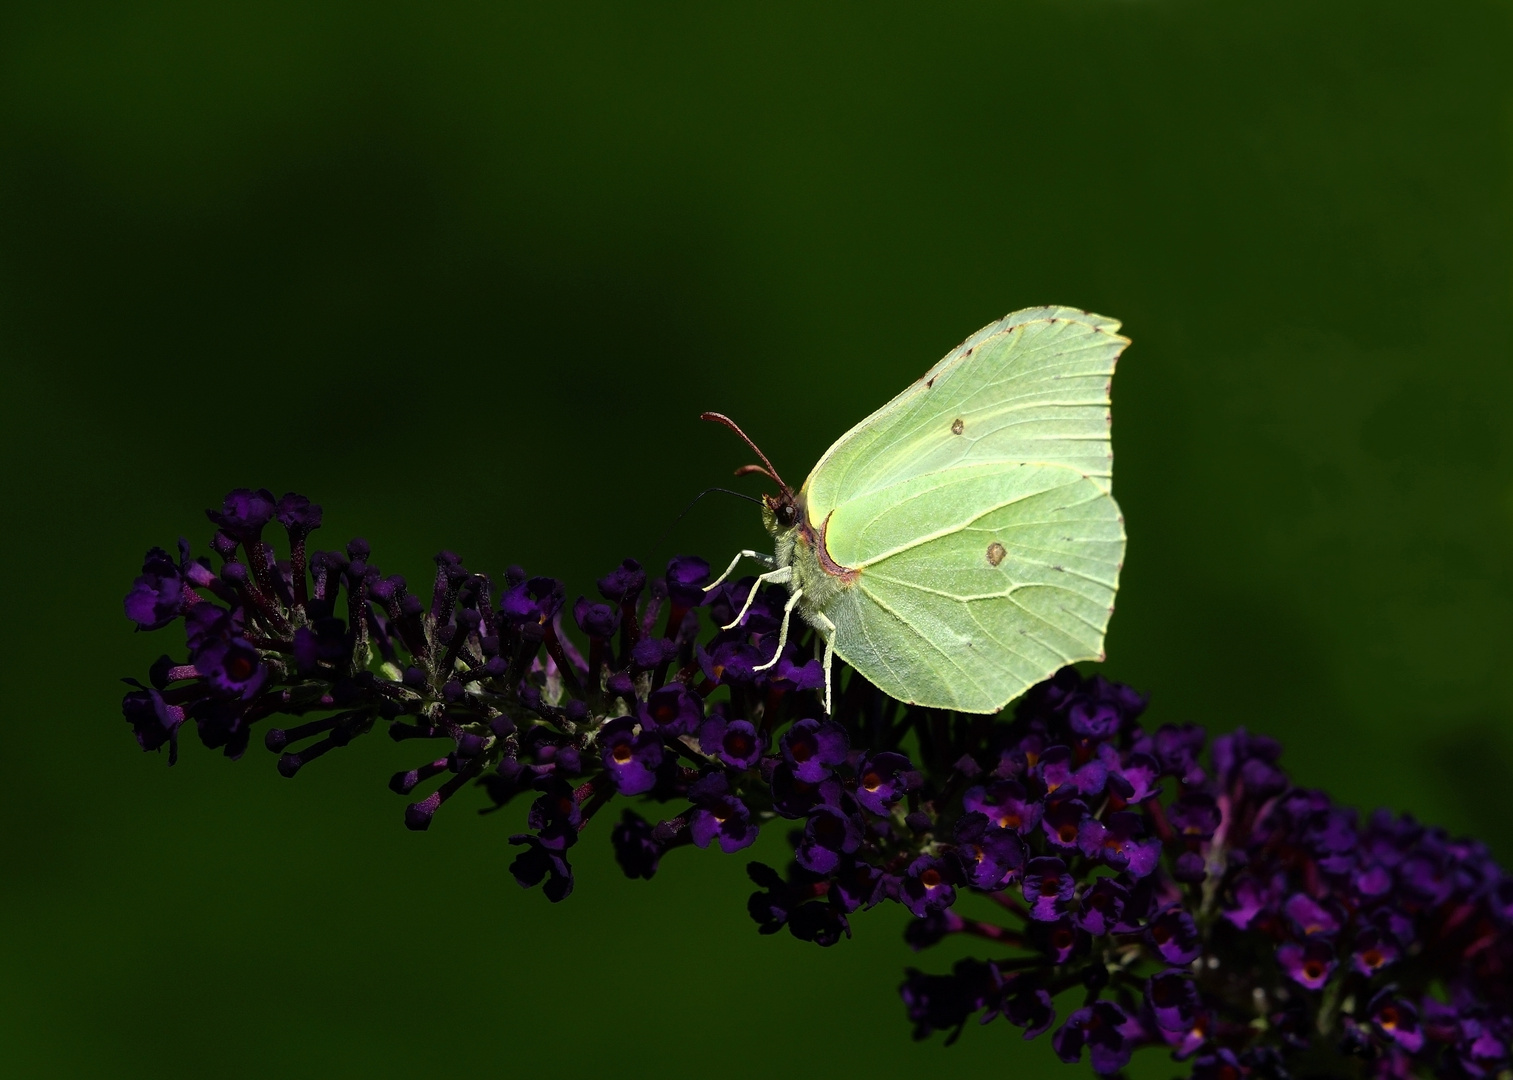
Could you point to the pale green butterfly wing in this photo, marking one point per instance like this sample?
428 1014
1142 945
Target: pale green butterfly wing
937 622
976 508
1033 386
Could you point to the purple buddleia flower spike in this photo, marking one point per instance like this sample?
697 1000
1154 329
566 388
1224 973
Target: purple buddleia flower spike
822 924
1062 775
794 798
231 666
298 515
1134 779
686 577
808 675
624 583
1175 748
1195 817
945 1002
1374 950
1308 916
1395 1018
855 884
1179 895
1096 720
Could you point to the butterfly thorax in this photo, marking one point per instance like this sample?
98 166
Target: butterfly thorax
801 546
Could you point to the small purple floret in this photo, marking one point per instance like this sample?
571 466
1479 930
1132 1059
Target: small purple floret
595 620
672 710
988 856
1006 805
244 513
927 886
1308 963
624 583
1047 887
1175 936
1118 844
631 759
539 862
157 596
812 748
882 780
686 577
725 819
735 742
829 834
1105 1030
635 850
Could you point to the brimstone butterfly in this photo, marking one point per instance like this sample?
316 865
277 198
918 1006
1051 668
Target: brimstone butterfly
962 543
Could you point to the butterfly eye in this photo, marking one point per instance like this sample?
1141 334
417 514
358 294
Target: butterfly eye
786 514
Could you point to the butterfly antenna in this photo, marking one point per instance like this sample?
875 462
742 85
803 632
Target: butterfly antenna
747 470
724 491
769 471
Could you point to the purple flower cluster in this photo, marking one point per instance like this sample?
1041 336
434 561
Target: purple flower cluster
1185 894
1202 903
570 703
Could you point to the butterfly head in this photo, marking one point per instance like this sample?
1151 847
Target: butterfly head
780 512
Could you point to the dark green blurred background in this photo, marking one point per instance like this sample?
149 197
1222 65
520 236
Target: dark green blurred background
466 275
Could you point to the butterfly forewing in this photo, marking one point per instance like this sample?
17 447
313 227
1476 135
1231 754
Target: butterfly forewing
1031 387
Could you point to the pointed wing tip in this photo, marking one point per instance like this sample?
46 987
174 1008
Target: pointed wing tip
1099 324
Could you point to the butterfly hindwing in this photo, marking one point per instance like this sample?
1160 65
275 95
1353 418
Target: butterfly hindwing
987 604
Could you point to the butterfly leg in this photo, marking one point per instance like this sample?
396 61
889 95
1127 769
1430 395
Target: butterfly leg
827 631
766 560
783 631
781 576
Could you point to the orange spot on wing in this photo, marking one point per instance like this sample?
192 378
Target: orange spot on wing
822 549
